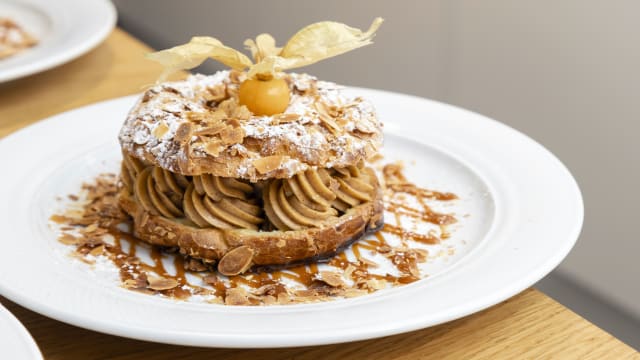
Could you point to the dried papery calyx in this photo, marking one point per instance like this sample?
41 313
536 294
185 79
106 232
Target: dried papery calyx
264 93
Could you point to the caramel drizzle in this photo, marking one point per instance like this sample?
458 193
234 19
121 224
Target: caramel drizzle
404 259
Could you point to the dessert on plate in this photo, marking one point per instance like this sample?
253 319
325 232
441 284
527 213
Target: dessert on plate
253 166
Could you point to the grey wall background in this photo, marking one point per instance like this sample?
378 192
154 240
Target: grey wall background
564 72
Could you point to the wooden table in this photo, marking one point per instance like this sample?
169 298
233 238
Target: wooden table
530 325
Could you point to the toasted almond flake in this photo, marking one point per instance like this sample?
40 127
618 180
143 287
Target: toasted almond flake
269 300
236 261
195 265
214 148
228 106
160 130
135 283
183 133
286 118
366 127
231 135
242 113
376 284
211 279
349 293
268 163
211 130
332 279
207 118
306 293
68 239
349 271
265 289
97 250
236 296
216 93
159 283
283 298
215 300
327 120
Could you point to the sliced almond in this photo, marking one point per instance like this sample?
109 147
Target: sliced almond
269 300
349 271
214 148
97 250
349 293
268 163
160 130
211 130
326 119
236 261
184 133
366 127
135 283
159 283
231 135
332 279
68 239
283 298
216 93
228 106
286 118
236 296
242 113
376 284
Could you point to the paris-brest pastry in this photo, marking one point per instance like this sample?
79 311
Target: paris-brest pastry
253 166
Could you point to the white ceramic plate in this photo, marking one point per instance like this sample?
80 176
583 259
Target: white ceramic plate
15 340
525 213
65 30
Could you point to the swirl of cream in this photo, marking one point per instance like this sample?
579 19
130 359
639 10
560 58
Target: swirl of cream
356 186
301 201
223 203
153 192
129 170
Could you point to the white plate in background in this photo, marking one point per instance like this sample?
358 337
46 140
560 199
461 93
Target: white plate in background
525 214
15 340
65 29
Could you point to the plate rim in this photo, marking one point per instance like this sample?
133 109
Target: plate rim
24 334
68 53
483 303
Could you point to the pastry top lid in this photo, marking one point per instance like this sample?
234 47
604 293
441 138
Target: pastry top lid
254 122
197 126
